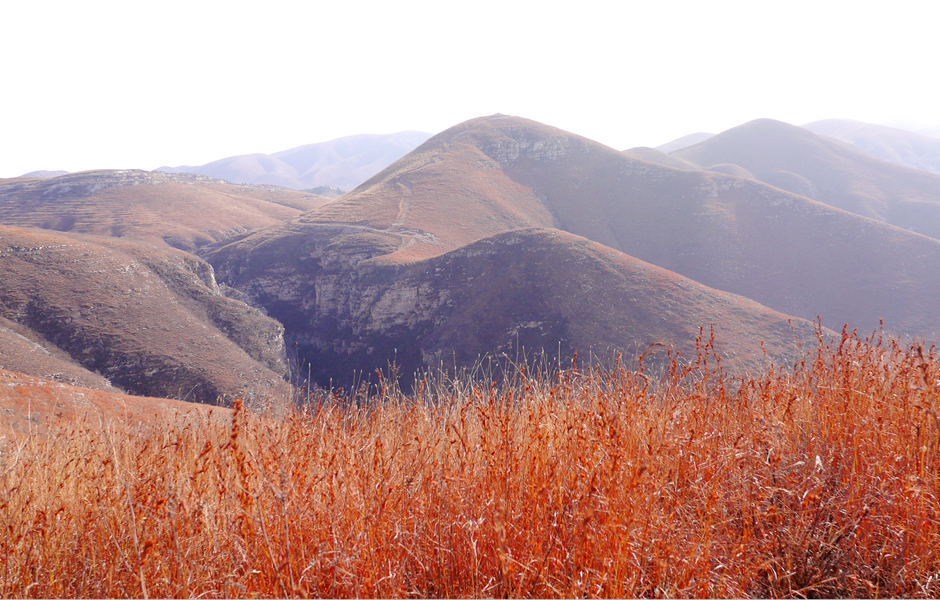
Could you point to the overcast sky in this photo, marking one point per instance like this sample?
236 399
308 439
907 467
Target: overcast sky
145 84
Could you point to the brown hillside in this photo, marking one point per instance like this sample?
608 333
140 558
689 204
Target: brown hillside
492 174
183 211
837 174
152 321
32 405
22 350
525 289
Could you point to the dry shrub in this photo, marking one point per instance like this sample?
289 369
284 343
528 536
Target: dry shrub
821 481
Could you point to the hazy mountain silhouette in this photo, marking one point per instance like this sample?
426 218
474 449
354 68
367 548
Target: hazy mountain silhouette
684 142
800 161
659 157
344 162
44 174
897 146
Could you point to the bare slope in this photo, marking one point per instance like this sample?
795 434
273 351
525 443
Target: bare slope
183 211
31 406
532 289
344 162
494 174
827 170
897 146
150 320
22 350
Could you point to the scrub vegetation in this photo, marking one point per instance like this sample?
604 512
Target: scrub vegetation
820 480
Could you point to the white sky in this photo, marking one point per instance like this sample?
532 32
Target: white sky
142 84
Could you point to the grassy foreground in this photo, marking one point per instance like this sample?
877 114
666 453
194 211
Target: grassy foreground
823 481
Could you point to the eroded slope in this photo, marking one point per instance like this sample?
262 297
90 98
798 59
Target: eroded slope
152 321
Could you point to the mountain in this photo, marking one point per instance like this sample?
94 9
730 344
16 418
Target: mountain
344 162
819 167
684 142
495 174
44 174
149 320
896 146
183 211
532 290
658 157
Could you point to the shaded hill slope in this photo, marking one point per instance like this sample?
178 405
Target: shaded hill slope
152 321
22 350
800 161
182 211
494 174
896 146
538 289
344 162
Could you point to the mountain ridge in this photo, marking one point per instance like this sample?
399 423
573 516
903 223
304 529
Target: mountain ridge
342 162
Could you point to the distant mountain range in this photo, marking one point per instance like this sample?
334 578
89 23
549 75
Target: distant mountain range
447 207
897 146
497 236
343 163
819 167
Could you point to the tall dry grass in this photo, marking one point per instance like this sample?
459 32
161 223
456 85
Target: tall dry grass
816 482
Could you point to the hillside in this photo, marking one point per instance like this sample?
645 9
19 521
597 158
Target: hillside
897 146
526 289
800 161
683 142
183 211
24 351
35 407
495 174
344 162
150 321
658 157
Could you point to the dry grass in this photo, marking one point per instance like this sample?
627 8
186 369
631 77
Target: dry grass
820 482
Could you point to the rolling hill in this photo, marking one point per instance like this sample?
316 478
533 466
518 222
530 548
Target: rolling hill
22 350
344 162
897 146
497 174
683 142
532 290
658 157
183 211
819 167
151 321
31 406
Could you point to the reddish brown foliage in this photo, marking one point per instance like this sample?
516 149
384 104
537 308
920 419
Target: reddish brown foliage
823 481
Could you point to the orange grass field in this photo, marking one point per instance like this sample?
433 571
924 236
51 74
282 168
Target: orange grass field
821 481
